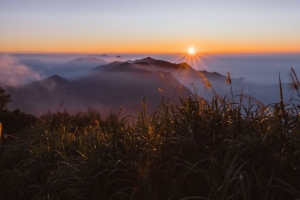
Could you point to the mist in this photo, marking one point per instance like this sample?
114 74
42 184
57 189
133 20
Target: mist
83 81
13 73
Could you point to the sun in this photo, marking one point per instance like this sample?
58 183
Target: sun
191 50
191 54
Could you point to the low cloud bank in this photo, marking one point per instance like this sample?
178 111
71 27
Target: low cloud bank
13 73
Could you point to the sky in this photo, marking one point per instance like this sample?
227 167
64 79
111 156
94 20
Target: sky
150 26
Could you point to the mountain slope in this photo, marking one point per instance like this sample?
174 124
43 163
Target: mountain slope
122 85
40 95
125 85
116 84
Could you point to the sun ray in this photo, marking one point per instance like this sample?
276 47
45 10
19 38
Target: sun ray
192 55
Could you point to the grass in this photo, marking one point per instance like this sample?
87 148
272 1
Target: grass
197 149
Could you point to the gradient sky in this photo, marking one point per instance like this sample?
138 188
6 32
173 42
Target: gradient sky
156 26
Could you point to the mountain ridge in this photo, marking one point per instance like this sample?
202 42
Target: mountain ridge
110 85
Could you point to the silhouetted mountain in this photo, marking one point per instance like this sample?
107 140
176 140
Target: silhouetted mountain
109 86
213 75
106 57
154 64
182 71
98 55
125 85
157 64
53 81
121 84
98 69
39 95
141 63
106 67
194 80
126 67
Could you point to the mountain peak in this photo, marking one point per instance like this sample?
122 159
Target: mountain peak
184 65
148 59
88 59
126 67
57 79
141 63
49 83
97 55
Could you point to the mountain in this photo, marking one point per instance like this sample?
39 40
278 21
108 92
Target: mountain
183 72
96 70
193 80
120 85
98 55
53 81
125 85
178 70
109 86
70 69
106 67
39 95
186 75
106 57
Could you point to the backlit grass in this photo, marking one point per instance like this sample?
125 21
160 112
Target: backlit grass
197 149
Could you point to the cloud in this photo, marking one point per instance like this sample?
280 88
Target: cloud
13 73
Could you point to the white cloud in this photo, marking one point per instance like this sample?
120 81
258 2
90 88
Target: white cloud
12 72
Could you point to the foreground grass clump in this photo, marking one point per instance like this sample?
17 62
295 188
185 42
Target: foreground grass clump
193 150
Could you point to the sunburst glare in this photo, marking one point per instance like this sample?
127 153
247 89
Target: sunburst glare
192 55
191 50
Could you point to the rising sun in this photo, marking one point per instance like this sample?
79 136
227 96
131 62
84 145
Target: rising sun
191 50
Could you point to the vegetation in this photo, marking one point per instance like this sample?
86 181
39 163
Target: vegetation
222 149
4 99
15 121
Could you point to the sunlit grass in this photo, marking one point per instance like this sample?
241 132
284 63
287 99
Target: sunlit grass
197 149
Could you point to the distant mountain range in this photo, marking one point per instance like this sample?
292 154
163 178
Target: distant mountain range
106 57
107 86
69 70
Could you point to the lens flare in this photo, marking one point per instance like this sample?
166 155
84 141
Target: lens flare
191 50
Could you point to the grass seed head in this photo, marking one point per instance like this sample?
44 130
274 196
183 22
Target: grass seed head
228 78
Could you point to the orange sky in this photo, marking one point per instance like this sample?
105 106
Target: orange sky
150 47
150 26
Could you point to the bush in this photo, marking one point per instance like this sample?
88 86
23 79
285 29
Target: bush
13 122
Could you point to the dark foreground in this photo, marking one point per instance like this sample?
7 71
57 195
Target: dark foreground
191 150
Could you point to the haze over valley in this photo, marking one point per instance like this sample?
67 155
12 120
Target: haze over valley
110 83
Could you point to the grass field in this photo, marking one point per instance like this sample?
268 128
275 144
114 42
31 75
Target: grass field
197 149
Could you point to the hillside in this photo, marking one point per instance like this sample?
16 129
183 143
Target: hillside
118 84
122 85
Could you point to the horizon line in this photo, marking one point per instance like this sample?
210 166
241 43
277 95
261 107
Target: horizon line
161 53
